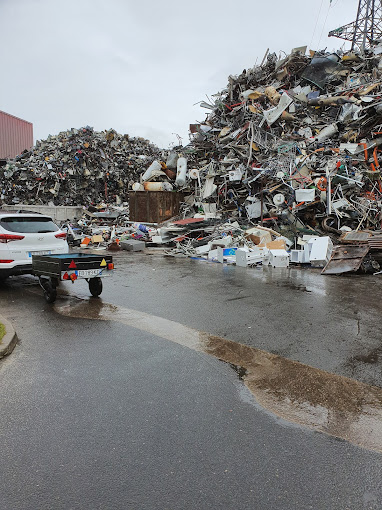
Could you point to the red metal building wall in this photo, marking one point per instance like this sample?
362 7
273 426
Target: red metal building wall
16 135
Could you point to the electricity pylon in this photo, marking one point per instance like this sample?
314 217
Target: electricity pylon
366 29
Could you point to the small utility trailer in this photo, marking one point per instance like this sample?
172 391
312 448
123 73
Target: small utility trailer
69 267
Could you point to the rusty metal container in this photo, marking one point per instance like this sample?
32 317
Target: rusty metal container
16 135
154 206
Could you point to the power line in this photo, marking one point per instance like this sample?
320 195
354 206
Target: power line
323 27
315 26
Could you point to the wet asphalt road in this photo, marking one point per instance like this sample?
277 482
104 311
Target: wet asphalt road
332 323
100 415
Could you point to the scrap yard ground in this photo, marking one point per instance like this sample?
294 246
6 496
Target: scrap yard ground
329 322
101 410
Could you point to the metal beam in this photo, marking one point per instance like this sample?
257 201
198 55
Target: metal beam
366 29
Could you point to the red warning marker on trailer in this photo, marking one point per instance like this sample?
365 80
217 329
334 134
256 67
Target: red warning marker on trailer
65 277
72 265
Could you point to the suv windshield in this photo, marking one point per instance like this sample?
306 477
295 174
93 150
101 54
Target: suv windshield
28 225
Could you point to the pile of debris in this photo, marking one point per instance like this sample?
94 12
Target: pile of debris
243 245
294 145
76 167
293 142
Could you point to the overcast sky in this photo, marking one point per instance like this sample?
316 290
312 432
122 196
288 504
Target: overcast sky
139 66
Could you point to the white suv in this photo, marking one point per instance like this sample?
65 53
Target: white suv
23 235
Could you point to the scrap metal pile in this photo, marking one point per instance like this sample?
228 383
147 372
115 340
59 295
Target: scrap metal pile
76 167
295 142
293 145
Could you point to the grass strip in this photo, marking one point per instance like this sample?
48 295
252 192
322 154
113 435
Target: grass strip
2 331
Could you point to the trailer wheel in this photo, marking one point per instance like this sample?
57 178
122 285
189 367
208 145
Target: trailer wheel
95 286
50 292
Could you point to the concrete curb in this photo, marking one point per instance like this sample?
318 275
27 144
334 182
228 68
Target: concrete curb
9 340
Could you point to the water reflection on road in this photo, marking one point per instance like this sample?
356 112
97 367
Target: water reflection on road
322 401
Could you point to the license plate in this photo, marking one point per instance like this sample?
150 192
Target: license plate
88 273
46 252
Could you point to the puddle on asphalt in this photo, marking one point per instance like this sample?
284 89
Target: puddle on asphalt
293 286
324 402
